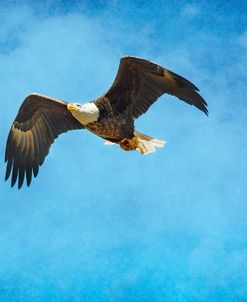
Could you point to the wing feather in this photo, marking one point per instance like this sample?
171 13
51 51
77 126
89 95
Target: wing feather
39 121
139 83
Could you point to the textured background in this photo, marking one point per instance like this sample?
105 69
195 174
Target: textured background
100 224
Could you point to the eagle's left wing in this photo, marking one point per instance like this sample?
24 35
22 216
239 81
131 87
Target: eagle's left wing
139 83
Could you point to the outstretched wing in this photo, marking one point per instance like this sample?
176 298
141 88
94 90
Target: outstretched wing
39 121
139 83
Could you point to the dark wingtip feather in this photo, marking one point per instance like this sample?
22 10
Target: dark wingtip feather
21 177
28 174
14 174
204 106
8 169
7 149
205 110
35 169
201 104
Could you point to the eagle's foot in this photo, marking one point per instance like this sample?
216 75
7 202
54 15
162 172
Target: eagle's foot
128 144
143 143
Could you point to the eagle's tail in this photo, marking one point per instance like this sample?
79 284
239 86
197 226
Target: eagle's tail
146 144
143 143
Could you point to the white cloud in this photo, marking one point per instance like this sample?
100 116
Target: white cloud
243 39
190 10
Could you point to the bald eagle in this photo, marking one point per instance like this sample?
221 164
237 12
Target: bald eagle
137 86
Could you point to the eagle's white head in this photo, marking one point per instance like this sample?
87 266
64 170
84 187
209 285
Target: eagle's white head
84 113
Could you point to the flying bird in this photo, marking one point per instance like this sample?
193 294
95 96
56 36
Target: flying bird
40 119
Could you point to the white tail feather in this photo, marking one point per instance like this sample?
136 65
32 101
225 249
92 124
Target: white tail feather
109 143
147 144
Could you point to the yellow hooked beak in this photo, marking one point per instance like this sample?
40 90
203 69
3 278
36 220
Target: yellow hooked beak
71 107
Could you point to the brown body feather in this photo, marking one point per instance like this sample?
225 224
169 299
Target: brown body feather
112 124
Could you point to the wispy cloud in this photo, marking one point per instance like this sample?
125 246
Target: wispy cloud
243 39
190 10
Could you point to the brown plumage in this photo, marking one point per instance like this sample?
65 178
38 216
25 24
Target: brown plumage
41 119
139 83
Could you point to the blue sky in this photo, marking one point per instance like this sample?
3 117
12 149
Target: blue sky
100 224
